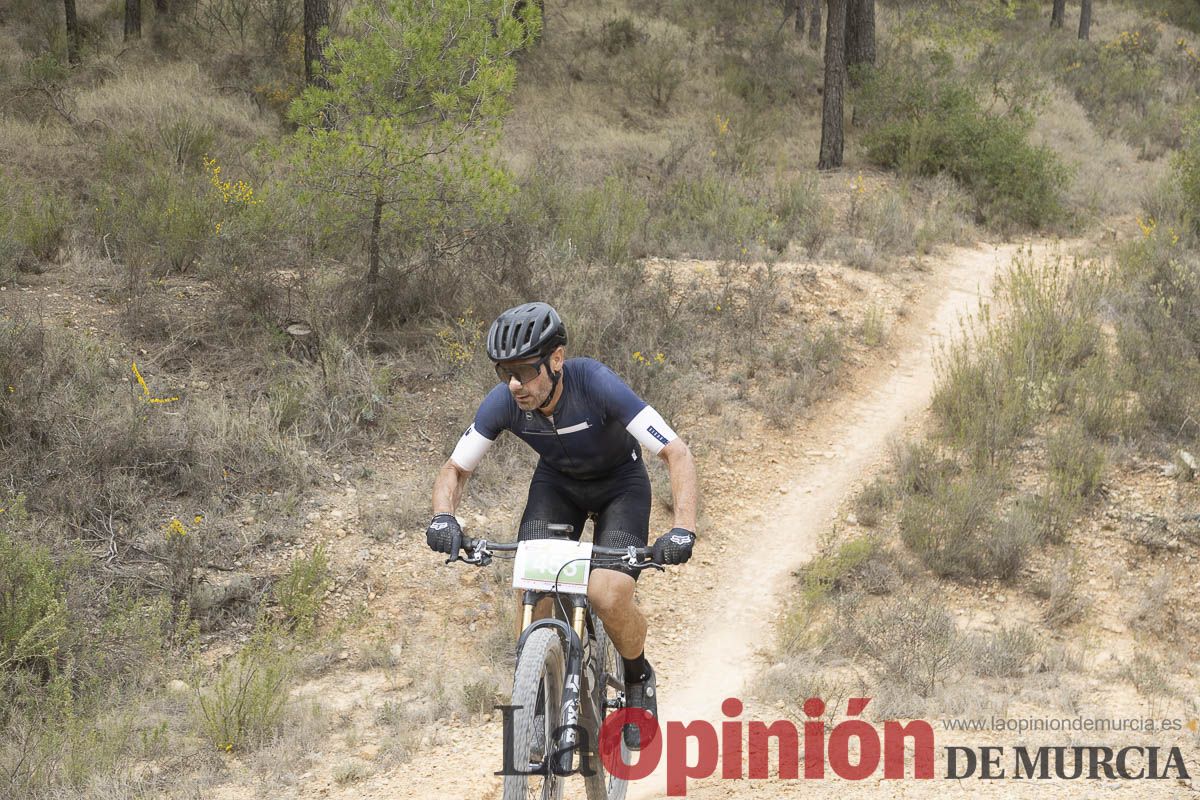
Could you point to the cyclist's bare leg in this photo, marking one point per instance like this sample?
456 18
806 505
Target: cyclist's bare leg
611 595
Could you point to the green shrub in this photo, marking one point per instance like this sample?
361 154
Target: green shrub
833 572
802 216
1065 604
769 70
1120 84
40 224
341 400
1148 676
603 224
479 697
1157 289
1076 463
1009 372
922 119
1186 167
1009 543
34 222
620 33
1005 653
302 590
33 610
99 466
920 469
710 216
1096 395
154 223
870 503
713 216
243 704
947 528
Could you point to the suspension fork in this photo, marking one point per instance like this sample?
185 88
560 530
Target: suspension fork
571 728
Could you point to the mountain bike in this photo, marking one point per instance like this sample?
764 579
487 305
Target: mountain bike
569 676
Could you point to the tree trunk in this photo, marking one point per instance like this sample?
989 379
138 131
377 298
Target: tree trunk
832 122
814 24
798 7
133 19
1058 13
72 32
860 37
1085 19
316 17
373 252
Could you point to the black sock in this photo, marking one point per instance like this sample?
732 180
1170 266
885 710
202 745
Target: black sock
636 669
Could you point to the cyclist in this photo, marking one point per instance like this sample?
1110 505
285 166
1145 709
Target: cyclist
589 428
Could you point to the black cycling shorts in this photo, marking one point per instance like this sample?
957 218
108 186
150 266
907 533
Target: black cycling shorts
619 503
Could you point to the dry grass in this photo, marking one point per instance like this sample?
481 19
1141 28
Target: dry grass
151 99
1109 178
37 148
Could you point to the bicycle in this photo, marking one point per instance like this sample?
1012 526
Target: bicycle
556 657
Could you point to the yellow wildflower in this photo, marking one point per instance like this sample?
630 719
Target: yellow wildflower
174 529
146 389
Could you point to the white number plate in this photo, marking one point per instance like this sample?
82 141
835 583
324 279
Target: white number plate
540 562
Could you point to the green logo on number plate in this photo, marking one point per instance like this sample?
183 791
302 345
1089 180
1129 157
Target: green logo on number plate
542 562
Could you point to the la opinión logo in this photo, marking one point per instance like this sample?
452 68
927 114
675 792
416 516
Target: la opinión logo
853 749
755 739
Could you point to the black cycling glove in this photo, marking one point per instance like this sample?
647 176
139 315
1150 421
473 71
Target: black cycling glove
673 547
444 534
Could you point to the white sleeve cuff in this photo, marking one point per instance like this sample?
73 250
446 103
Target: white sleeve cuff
470 449
651 430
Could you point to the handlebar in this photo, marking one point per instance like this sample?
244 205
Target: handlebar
481 553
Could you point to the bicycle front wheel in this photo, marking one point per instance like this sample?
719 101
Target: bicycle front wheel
539 675
609 672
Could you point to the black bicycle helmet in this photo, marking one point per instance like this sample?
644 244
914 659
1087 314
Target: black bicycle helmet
532 329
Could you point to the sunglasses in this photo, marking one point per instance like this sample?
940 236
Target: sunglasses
524 373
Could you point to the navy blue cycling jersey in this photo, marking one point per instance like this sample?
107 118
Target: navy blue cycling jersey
597 425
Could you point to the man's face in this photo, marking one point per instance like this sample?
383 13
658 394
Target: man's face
532 393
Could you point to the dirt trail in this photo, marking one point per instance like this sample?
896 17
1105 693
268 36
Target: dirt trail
857 430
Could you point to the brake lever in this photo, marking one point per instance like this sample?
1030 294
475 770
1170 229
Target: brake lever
480 556
631 559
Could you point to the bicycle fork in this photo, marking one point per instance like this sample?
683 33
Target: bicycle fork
570 728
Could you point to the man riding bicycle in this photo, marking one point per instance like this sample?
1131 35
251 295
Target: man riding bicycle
588 427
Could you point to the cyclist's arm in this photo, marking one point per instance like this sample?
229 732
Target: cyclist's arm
682 468
448 487
490 420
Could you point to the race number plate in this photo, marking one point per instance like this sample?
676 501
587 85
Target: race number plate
540 562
